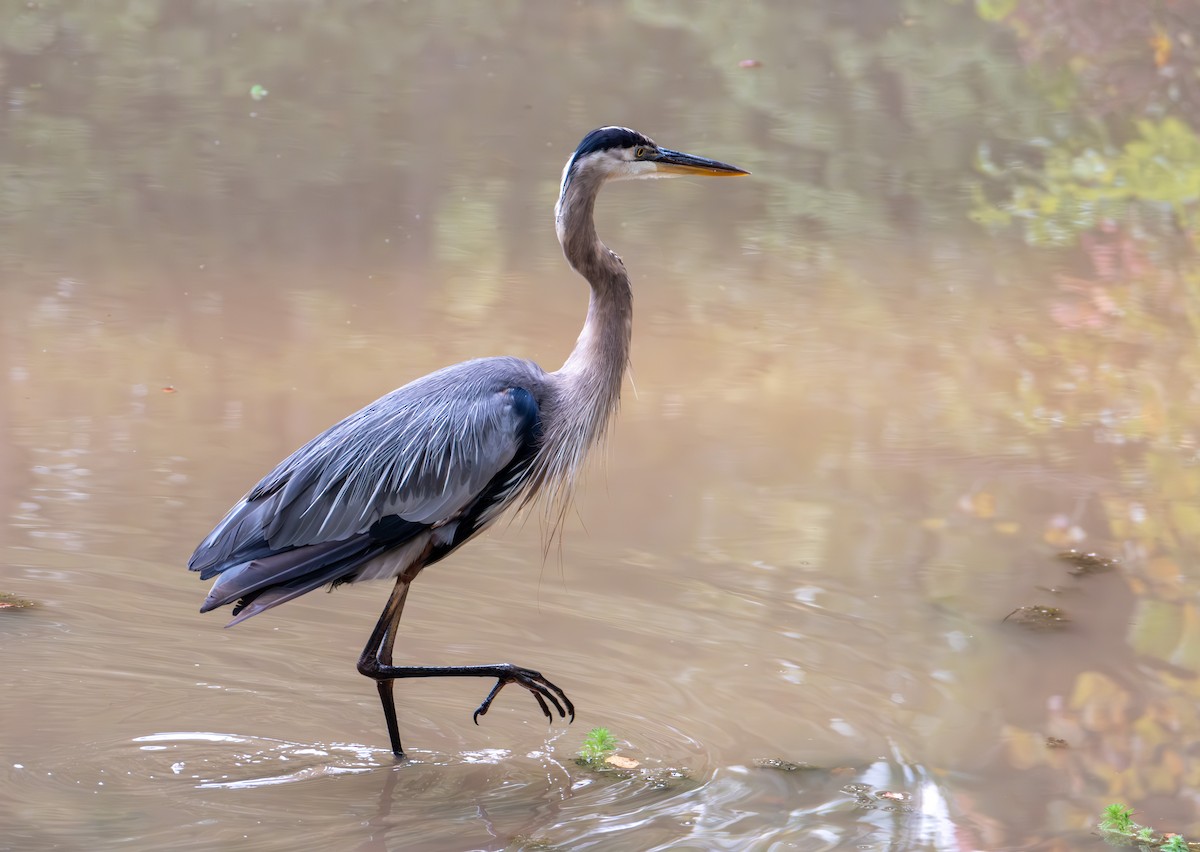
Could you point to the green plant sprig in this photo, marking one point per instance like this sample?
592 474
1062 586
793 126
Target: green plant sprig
1117 819
597 745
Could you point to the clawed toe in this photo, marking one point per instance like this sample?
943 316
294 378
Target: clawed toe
541 689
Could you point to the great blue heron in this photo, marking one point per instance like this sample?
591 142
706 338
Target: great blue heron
400 484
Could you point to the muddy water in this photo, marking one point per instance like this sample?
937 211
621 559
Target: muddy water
858 431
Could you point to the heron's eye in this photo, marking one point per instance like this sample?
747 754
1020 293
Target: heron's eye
639 152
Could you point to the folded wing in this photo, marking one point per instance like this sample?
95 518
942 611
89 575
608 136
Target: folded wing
422 469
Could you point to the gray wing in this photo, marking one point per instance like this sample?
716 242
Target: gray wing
418 458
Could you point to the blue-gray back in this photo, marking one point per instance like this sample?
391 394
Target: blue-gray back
422 453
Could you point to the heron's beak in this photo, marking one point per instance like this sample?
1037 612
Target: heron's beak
678 163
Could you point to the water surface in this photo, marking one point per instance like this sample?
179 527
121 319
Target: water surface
877 388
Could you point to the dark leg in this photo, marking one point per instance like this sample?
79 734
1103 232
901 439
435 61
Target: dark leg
376 662
379 652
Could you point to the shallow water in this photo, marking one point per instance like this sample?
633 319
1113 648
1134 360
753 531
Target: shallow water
860 428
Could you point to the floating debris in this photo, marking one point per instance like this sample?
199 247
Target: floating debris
598 753
668 778
1087 563
1039 617
785 765
867 797
1055 742
750 63
11 601
258 92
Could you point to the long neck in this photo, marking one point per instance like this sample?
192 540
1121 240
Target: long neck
597 364
588 384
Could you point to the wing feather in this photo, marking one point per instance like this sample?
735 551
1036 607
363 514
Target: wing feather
422 453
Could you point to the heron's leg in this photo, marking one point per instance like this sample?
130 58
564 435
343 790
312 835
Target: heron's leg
504 673
378 653
376 662
546 693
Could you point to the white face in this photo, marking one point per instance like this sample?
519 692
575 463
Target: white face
628 165
621 164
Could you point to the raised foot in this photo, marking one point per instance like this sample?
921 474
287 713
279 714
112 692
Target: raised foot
542 689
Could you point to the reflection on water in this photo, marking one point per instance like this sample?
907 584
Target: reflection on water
945 332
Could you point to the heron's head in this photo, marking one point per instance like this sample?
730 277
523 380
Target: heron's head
618 153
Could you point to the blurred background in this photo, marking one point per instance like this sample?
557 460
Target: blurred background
945 335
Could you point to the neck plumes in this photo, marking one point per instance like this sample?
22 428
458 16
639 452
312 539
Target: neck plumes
589 382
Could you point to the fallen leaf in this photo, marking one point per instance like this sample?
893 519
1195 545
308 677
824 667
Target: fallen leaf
618 761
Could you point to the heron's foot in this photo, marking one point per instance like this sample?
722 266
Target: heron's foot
543 690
